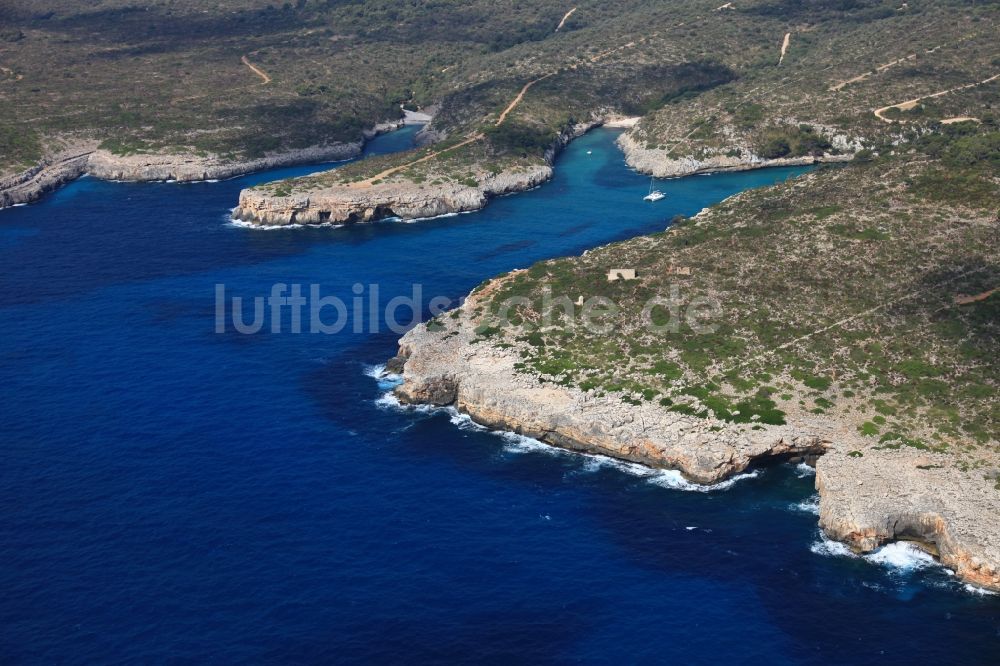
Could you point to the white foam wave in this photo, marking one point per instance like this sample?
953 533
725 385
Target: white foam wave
666 478
898 556
830 548
595 462
810 505
388 400
243 224
901 556
462 421
803 470
669 478
516 443
387 381
981 591
439 217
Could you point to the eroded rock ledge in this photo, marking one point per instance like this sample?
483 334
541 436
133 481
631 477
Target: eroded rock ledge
662 164
343 204
481 380
866 501
85 158
906 494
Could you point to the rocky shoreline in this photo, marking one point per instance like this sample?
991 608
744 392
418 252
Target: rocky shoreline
66 166
349 203
866 502
407 201
661 164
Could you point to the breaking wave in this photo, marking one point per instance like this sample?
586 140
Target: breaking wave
803 470
517 443
810 505
902 556
830 548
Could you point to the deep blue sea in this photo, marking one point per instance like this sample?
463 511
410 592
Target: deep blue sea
173 494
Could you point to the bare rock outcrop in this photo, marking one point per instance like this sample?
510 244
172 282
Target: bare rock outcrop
481 380
29 185
343 204
188 168
869 494
885 495
86 158
660 162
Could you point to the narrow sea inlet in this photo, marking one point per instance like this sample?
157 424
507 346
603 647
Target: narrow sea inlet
168 492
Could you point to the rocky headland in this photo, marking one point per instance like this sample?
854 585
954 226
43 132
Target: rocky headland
866 500
85 157
855 328
663 162
344 204
481 380
399 193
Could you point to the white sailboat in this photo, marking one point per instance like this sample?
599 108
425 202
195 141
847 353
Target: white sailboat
654 195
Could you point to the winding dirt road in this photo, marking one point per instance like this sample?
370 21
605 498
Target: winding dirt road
563 22
368 182
257 70
784 47
910 103
520 96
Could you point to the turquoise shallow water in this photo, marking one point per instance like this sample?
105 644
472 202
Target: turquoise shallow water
168 493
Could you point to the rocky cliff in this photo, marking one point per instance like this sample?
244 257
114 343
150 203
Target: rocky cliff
303 201
187 168
86 158
904 494
663 163
481 381
866 500
32 183
342 204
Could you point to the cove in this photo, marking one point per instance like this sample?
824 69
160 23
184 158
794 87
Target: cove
171 493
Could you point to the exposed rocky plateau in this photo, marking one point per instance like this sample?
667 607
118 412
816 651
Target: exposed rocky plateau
866 501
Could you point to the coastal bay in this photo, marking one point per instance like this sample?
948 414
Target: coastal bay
301 502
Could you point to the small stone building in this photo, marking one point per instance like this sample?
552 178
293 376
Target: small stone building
621 274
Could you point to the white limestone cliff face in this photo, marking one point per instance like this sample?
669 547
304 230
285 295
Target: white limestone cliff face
881 496
888 495
662 163
480 379
189 168
86 158
342 204
30 184
399 198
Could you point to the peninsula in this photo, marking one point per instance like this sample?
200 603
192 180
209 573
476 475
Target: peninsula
853 324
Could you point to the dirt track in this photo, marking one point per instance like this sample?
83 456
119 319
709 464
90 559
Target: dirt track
564 18
256 70
784 47
910 103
